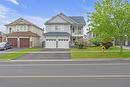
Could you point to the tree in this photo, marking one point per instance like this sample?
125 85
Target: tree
111 20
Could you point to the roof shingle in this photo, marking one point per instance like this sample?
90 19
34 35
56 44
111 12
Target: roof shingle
69 19
78 19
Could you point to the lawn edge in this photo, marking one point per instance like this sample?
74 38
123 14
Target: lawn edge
60 60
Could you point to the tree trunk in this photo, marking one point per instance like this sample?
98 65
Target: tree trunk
121 46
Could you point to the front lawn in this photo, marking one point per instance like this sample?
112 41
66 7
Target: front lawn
18 53
97 49
96 52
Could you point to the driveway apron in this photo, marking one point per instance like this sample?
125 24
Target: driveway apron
48 54
10 50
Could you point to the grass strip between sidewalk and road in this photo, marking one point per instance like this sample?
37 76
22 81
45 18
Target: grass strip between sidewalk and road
96 52
17 54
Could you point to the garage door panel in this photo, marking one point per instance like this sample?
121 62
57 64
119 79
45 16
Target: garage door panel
63 43
50 43
57 43
13 41
24 42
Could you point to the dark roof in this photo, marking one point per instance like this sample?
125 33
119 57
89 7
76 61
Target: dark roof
73 19
57 34
23 34
78 19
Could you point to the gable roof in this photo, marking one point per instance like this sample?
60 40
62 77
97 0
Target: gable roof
78 19
62 16
22 21
69 19
66 17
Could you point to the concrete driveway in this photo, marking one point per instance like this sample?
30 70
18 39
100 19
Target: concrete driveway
48 54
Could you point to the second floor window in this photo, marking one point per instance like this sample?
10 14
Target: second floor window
10 30
21 28
56 28
73 30
79 31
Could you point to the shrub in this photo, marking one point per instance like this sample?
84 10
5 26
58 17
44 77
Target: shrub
96 43
107 45
80 46
81 43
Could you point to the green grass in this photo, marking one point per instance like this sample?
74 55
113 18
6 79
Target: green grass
18 53
96 52
97 49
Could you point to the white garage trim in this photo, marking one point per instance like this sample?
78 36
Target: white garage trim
50 43
57 43
63 43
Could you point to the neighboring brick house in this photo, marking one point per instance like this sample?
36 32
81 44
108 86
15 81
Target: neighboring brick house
24 34
2 37
62 31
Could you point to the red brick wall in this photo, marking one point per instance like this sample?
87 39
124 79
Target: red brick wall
2 38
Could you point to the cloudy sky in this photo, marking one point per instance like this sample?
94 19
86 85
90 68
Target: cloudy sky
38 11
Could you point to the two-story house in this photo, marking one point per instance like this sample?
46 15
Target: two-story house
24 34
62 31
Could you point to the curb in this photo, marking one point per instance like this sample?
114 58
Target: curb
66 60
104 59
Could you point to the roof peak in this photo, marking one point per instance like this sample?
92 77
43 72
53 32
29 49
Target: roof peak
61 13
21 21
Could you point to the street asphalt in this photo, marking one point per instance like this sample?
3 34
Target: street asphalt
65 82
64 74
64 69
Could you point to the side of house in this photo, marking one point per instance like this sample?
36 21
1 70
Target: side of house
24 34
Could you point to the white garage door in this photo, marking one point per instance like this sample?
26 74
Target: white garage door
50 43
63 43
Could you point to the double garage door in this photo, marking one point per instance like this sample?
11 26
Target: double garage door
60 43
23 42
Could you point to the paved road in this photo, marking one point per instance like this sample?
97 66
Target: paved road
115 61
65 82
31 74
64 69
48 54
